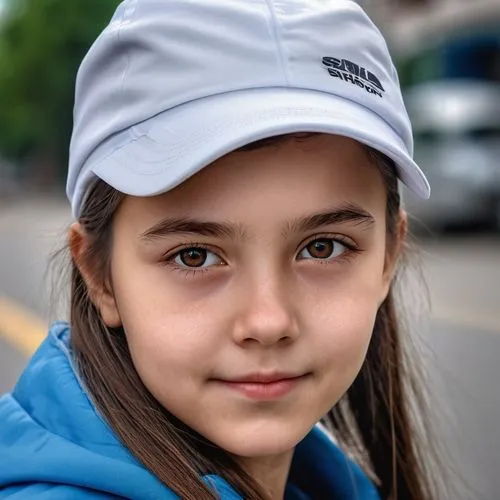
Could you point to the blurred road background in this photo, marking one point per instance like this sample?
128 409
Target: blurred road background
448 57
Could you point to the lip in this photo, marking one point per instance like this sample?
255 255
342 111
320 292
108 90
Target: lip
264 386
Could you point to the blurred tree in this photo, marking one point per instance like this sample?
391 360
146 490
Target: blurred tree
42 43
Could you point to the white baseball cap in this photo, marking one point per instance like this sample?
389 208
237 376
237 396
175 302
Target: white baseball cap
172 85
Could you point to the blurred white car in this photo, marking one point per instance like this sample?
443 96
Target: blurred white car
456 126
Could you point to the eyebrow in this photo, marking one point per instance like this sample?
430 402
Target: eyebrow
192 226
347 213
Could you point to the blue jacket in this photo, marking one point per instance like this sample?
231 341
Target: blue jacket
54 445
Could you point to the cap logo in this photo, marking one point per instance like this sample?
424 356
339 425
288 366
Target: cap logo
353 73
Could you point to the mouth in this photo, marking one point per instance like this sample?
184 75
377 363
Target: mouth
265 386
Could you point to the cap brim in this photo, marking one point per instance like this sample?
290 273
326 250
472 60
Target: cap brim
167 149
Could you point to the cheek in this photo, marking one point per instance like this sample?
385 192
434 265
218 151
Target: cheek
346 328
170 343
340 343
170 337
171 354
341 322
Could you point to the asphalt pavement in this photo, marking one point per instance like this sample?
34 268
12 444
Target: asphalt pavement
460 330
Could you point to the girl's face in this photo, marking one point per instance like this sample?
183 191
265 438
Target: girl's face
248 294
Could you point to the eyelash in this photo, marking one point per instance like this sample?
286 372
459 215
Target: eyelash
351 250
169 258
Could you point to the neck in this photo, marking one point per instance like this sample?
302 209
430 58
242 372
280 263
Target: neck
271 472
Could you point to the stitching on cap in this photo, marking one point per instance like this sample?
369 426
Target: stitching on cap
130 8
277 39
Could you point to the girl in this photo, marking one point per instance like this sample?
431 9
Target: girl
234 176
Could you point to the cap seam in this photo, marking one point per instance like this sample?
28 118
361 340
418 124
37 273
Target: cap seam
277 41
127 15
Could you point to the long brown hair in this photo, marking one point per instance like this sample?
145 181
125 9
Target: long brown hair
380 421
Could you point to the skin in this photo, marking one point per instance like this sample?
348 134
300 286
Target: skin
266 298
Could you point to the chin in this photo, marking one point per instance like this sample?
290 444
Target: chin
259 441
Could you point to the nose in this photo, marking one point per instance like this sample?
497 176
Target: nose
267 316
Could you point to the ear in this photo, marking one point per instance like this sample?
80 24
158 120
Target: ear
393 252
100 292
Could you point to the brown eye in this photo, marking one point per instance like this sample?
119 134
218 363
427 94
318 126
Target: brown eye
196 257
193 257
322 249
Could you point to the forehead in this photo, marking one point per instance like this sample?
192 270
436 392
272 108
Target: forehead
292 176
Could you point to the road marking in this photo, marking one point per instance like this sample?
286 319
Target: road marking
20 327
